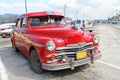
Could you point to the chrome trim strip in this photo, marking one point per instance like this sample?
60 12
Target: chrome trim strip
64 53
52 61
80 44
72 46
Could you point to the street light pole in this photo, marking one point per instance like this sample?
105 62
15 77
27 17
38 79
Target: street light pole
77 14
26 6
83 16
65 6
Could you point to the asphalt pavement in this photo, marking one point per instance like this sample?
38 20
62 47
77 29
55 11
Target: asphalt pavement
16 66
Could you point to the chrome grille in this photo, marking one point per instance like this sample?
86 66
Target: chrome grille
71 50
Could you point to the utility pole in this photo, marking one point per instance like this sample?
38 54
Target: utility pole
26 6
65 6
83 16
77 14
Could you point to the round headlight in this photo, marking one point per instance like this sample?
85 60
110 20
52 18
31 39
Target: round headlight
50 46
96 39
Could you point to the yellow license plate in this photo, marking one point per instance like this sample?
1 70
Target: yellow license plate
80 55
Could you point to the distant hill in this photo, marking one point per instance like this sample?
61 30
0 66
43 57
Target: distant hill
10 14
8 18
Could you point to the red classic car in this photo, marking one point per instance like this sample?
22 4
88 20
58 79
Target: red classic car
52 44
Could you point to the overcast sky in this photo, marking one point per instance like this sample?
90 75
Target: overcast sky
88 9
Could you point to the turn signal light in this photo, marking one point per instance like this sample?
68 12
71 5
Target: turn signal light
52 57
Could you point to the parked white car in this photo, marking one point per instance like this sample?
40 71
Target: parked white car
6 29
114 22
83 24
88 25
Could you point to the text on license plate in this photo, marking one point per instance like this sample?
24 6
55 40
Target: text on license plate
80 55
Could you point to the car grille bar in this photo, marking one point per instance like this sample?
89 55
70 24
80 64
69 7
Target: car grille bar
73 48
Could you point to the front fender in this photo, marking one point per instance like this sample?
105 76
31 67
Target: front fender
38 43
88 37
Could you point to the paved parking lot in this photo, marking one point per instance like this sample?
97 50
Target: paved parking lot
107 68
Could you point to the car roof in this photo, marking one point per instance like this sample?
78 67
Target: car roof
42 13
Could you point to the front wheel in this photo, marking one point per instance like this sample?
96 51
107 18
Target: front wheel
35 62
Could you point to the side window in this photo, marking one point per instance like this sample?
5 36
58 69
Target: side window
23 23
35 22
18 23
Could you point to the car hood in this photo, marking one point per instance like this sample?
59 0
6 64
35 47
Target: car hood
61 35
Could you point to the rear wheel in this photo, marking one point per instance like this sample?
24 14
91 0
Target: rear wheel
35 62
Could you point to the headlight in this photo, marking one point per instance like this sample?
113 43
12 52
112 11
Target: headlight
96 39
50 46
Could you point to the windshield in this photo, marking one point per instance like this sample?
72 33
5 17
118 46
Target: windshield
78 21
11 26
46 20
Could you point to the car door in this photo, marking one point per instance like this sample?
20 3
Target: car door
20 32
17 33
23 37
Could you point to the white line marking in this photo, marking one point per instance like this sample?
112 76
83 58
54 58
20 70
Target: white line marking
108 64
3 72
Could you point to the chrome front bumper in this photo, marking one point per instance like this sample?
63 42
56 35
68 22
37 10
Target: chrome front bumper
54 67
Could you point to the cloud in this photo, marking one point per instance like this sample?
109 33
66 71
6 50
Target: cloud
89 9
105 2
19 8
